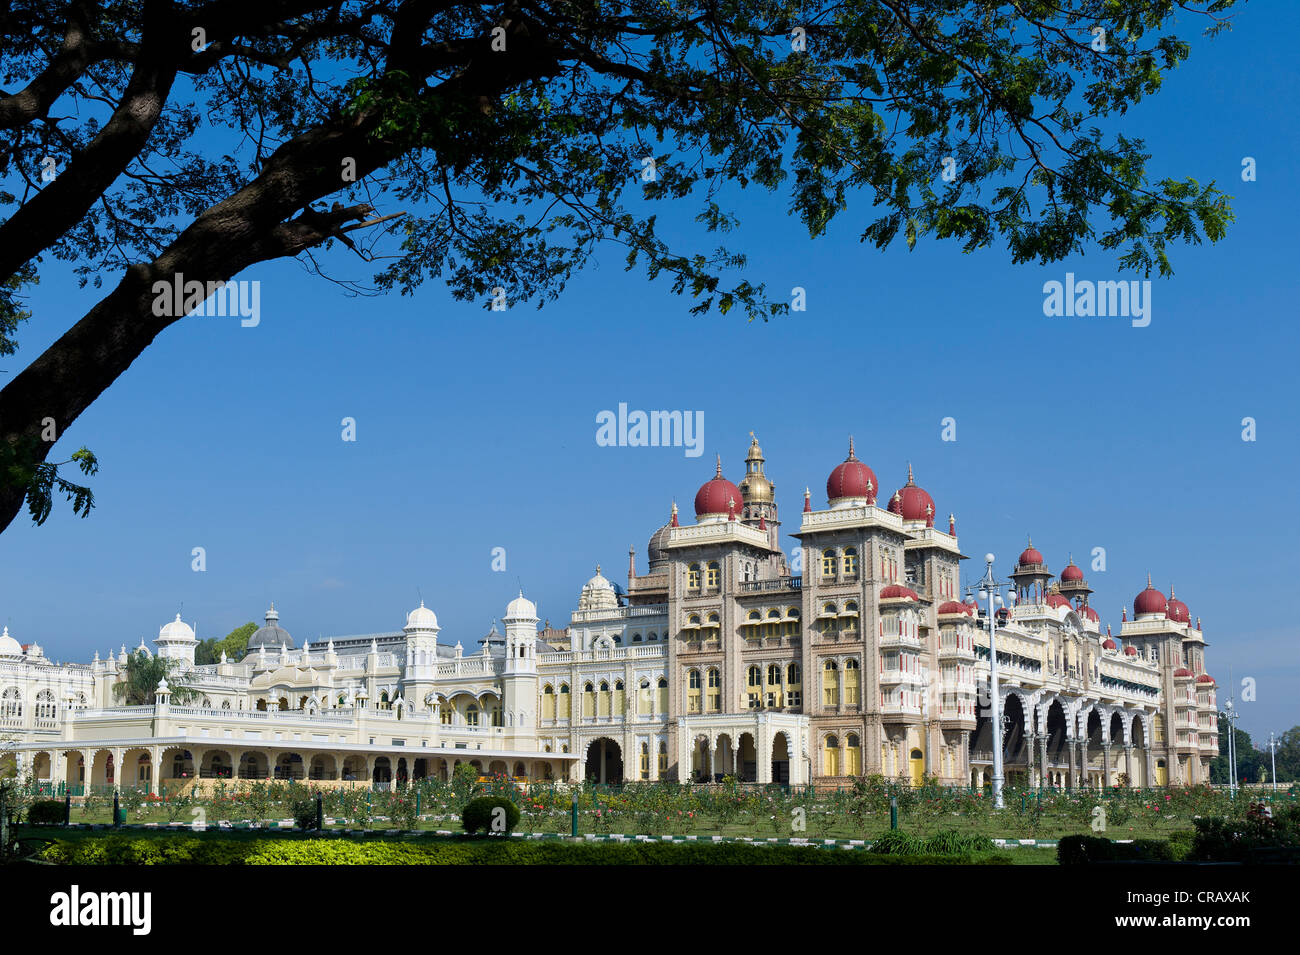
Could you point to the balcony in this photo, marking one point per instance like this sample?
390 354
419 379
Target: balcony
779 585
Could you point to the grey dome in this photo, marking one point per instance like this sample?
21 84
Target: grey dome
272 636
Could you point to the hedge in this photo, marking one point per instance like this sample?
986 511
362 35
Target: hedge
47 812
493 815
1085 850
129 850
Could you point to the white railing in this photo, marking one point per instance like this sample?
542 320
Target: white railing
619 613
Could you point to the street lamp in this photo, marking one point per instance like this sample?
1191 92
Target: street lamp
1272 749
1227 713
989 591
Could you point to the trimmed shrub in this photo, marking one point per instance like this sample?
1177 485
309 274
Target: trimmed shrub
46 812
494 815
304 813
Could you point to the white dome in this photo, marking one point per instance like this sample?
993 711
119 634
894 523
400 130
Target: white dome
598 594
521 608
9 647
177 630
421 618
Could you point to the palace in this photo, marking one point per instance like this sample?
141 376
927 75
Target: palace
854 656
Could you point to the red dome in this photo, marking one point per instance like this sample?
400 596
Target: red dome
852 479
1150 601
897 591
953 606
1130 651
1109 644
1031 555
1183 672
1177 609
913 503
1056 600
1091 614
1205 678
718 496
1071 572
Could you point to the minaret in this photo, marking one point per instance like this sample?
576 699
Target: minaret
759 495
519 674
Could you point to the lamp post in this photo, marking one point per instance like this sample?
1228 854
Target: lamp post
1230 715
1272 750
989 590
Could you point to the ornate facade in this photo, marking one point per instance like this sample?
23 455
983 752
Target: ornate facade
854 655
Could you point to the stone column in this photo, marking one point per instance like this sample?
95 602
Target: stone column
1105 765
1128 765
117 769
1073 779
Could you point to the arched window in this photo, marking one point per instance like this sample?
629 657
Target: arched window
620 698
644 698
46 708
548 702
753 676
693 577
715 691
645 760
636 638
851 682
830 684
828 563
662 688
471 715
713 577
588 700
225 704
694 702
565 708
773 674
663 757
831 756
11 704
652 638
792 674
850 561
853 755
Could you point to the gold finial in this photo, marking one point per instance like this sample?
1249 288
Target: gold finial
1148 579
850 447
909 473
719 471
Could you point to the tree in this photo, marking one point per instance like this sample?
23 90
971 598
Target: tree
234 644
166 147
142 675
1249 759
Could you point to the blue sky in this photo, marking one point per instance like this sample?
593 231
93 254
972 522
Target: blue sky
476 429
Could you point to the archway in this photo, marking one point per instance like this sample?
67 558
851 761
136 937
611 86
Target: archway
1094 749
780 758
747 754
354 768
382 774
253 765
322 767
604 761
216 765
1137 736
1057 739
177 764
916 766
289 766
